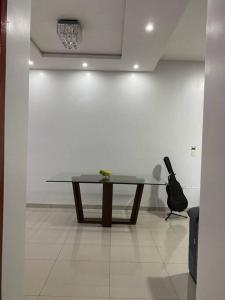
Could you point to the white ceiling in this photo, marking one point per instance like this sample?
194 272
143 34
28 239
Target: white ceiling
102 23
189 38
114 36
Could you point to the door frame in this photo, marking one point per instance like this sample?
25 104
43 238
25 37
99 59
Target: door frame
3 23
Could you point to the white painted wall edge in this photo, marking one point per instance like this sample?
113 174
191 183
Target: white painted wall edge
16 121
211 256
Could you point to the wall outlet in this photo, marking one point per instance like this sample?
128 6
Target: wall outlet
193 151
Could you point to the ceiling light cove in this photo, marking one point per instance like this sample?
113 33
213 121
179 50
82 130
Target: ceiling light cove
30 62
149 27
136 66
84 65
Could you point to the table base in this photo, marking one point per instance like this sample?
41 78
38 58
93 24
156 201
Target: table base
107 201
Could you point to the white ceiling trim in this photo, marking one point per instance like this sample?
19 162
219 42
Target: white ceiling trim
75 55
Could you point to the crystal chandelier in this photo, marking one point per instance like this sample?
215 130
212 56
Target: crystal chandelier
70 33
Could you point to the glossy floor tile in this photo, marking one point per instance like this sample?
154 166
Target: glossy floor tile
65 260
132 238
42 251
84 252
50 236
36 273
173 254
78 278
135 254
59 220
30 233
140 280
88 236
182 281
36 218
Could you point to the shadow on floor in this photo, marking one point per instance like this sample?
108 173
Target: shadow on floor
184 286
176 287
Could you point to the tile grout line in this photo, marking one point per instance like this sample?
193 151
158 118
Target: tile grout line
32 235
50 271
37 229
164 266
155 245
46 280
171 281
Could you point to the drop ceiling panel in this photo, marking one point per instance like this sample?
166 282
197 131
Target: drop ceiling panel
102 22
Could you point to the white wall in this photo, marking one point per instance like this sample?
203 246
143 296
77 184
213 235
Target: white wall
85 121
16 117
211 268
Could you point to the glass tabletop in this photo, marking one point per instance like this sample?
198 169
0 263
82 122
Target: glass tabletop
116 179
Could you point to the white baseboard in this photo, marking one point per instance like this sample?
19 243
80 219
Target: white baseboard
89 206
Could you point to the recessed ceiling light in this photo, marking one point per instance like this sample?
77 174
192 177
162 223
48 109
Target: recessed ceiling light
149 27
84 65
136 66
30 62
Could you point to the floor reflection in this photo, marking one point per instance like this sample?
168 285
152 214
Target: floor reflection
65 259
184 286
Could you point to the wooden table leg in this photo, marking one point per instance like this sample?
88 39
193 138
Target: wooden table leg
78 202
107 204
137 202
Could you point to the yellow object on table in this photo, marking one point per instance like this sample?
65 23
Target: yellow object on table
106 173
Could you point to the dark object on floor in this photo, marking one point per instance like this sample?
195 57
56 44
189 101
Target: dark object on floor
176 199
193 242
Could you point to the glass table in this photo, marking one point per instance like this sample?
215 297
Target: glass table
107 199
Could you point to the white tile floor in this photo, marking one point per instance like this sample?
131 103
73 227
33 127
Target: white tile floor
66 260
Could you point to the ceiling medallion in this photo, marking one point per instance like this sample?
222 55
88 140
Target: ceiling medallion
70 33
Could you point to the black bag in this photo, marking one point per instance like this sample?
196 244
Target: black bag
176 199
